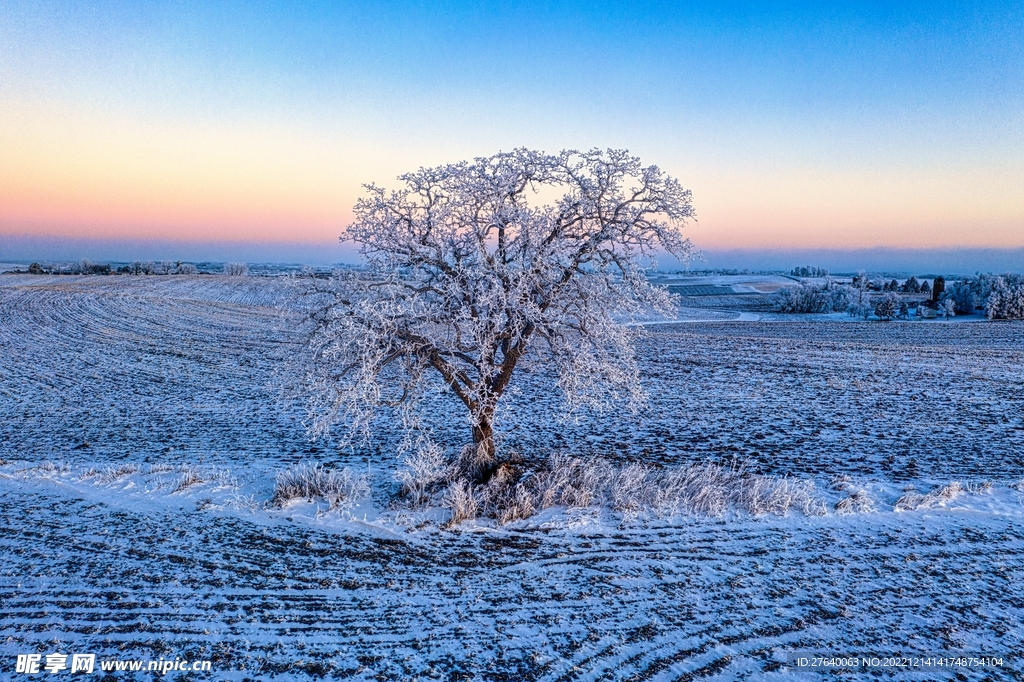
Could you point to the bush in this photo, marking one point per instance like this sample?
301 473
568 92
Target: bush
424 469
236 269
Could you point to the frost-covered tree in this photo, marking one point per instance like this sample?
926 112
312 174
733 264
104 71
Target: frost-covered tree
840 297
947 307
964 297
888 306
859 297
811 298
1006 300
806 298
236 269
470 276
911 286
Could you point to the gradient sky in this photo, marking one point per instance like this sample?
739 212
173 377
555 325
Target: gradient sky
796 125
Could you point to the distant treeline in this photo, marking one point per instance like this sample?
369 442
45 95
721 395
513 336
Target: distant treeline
1000 296
87 267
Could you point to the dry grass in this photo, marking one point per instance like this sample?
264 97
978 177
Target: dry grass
110 474
857 503
312 481
190 476
701 490
572 482
912 501
840 482
462 500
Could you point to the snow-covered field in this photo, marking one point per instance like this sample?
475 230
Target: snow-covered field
142 424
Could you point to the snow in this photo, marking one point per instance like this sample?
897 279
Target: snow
160 375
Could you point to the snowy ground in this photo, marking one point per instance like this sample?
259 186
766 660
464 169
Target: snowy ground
149 374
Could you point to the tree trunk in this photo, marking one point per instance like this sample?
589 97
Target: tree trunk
483 439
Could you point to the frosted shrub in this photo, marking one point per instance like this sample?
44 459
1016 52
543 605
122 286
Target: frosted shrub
425 467
236 269
311 481
187 269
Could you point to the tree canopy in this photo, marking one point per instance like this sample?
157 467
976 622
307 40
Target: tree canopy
470 274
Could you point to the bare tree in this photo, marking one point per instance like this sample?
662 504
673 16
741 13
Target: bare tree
470 275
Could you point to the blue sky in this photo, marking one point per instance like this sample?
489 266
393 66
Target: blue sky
797 125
